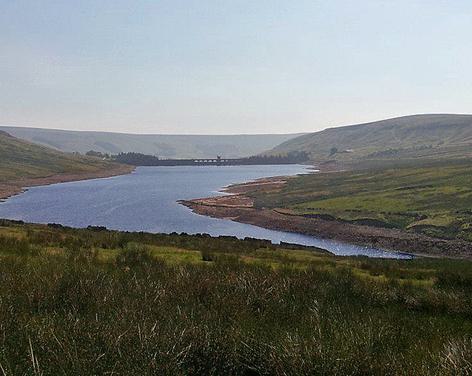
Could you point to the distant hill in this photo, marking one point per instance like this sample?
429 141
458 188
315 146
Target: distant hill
165 146
22 160
403 137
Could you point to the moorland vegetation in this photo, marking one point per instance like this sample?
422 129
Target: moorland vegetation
432 198
93 301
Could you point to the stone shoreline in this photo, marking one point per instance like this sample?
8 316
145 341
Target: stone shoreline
239 207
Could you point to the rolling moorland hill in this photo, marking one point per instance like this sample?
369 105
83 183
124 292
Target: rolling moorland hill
404 137
21 159
165 146
21 162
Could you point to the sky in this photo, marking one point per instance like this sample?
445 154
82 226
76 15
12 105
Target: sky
231 66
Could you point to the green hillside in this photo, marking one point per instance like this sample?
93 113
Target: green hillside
24 160
166 146
433 199
403 137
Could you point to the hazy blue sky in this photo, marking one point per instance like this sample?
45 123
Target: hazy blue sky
229 66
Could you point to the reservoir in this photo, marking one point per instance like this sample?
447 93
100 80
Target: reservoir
146 200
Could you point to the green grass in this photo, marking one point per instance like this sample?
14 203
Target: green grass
434 199
20 159
409 137
91 301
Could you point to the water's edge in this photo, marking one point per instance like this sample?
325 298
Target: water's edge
146 200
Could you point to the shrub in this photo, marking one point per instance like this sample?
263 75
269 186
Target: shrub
133 255
12 245
81 255
207 256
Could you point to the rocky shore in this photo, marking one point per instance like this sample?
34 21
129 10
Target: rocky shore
239 207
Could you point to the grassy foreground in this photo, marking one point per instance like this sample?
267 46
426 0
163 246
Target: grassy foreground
91 301
434 199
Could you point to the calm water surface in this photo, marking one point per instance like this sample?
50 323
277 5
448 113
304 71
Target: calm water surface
146 200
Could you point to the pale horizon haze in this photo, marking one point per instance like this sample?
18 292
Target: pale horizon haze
230 67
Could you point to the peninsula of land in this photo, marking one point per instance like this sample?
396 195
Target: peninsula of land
241 205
